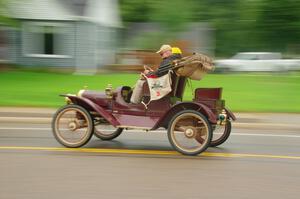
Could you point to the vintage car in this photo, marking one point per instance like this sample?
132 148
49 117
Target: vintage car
192 126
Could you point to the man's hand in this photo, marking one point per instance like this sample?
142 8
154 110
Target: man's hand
146 72
147 69
142 76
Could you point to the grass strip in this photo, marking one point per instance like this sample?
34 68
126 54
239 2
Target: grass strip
242 92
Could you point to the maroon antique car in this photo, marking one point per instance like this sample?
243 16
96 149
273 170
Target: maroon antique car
192 126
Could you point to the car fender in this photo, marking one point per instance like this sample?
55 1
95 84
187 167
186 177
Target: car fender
89 105
230 114
164 120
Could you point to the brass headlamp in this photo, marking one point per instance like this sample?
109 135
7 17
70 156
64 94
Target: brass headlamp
109 91
222 118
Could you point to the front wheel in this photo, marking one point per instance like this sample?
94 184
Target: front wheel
220 134
72 126
189 132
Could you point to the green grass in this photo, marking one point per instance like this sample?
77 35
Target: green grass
247 93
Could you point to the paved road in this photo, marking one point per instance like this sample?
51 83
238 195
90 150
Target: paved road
253 163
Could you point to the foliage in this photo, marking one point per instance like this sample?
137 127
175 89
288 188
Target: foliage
135 10
279 24
4 19
149 40
240 25
171 14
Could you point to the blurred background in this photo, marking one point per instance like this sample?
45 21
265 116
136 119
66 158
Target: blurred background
90 34
93 36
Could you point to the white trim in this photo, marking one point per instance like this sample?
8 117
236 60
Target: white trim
4 61
47 56
46 23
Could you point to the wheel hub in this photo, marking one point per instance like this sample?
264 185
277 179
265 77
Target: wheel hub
72 126
189 133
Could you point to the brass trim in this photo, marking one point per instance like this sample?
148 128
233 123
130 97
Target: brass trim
80 92
67 100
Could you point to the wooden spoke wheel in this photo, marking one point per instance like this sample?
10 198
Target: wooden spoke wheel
189 132
72 126
106 131
220 134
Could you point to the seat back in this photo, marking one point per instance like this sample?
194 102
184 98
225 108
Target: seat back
178 86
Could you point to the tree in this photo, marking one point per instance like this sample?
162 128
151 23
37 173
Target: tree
171 15
279 24
4 19
135 10
240 25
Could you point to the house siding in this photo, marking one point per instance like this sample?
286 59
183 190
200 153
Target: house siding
86 46
107 45
95 46
19 56
13 40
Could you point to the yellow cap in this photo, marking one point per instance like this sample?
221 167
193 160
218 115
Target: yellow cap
164 48
176 50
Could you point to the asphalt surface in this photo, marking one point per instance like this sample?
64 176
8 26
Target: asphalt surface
253 163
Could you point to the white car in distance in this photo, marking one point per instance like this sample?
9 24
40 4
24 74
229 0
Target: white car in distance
257 62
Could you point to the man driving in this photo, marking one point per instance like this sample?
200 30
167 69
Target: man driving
167 55
165 52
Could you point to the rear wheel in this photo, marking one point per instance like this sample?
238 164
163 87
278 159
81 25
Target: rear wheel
106 131
220 134
72 126
189 132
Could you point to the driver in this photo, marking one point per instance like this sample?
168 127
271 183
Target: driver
165 52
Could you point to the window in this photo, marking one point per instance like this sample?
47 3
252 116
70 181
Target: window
48 43
44 40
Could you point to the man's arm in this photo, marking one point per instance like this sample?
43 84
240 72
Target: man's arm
161 71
